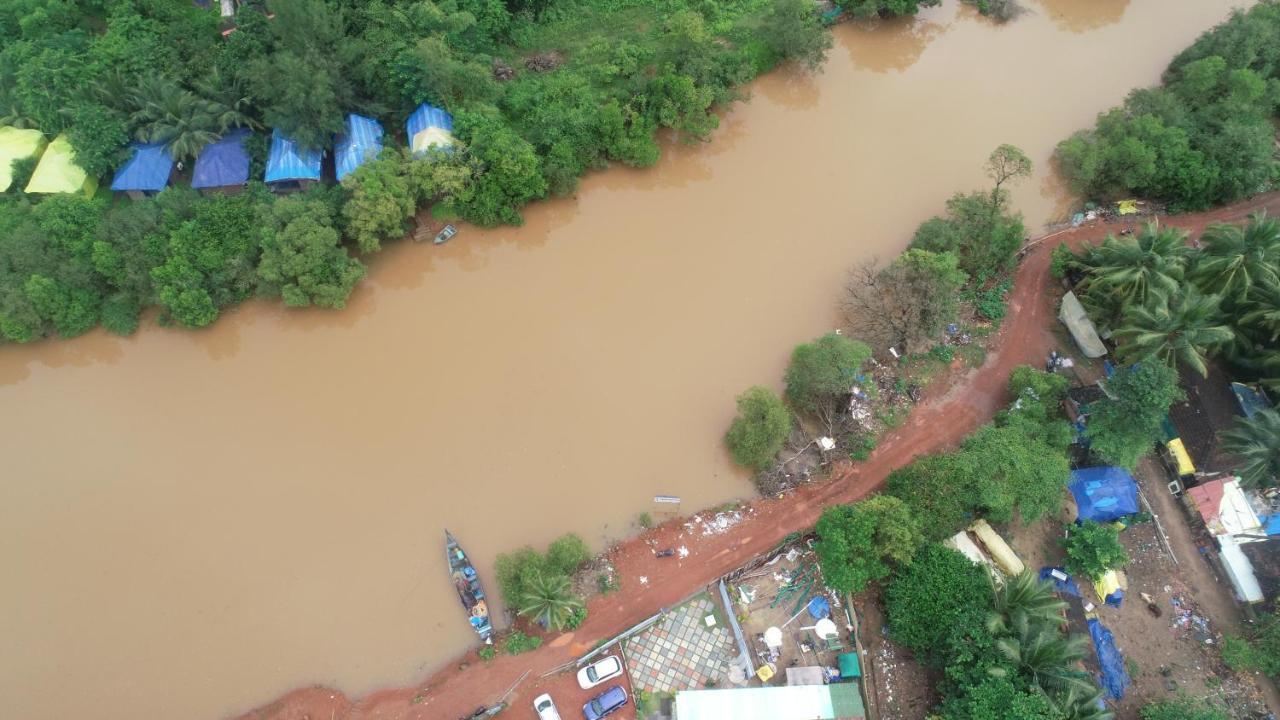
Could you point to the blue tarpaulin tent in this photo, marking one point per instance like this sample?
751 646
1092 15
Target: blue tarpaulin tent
223 163
1251 401
429 126
1067 586
361 140
1114 676
1104 494
147 170
289 161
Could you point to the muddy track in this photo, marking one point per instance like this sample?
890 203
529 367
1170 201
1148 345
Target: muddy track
936 424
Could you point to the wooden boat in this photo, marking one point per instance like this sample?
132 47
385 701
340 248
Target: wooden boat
467 583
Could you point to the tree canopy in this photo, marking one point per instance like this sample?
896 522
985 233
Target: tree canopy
823 371
1124 426
759 430
857 543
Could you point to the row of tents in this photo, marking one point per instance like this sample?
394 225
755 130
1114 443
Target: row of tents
223 164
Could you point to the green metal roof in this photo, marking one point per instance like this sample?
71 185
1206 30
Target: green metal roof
840 701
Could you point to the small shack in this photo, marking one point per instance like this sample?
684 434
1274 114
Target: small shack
837 701
17 144
428 127
1103 494
1073 315
223 165
1225 508
360 141
147 171
59 173
1239 570
290 166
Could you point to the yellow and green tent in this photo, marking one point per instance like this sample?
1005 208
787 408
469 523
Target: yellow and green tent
16 144
59 173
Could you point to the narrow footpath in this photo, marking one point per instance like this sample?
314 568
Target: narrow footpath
940 422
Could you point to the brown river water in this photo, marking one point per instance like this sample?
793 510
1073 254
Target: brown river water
194 522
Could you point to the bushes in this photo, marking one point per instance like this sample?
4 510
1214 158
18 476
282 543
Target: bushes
760 429
823 371
517 642
1093 549
1183 708
937 604
1258 653
536 584
856 542
1124 426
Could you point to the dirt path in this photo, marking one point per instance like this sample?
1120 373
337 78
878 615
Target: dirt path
459 688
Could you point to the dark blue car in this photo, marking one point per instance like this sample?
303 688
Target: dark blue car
605 703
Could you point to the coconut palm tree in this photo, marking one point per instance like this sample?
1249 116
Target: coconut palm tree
166 113
1023 596
549 599
1078 703
1263 314
1181 329
1256 440
1235 258
1133 270
229 101
1045 656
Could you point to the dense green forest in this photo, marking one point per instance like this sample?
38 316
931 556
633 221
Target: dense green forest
541 91
1205 137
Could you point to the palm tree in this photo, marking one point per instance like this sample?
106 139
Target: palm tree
1263 313
549 599
1045 656
1182 328
1235 258
229 100
1133 270
1256 440
1023 596
166 113
1079 703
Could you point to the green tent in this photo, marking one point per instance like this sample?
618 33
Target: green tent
16 144
849 666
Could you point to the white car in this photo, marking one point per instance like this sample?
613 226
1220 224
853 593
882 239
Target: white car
546 709
599 671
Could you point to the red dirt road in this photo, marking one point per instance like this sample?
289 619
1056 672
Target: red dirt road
940 422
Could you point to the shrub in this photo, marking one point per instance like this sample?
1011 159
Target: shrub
759 430
517 642
488 652
824 370
943 353
857 542
1061 260
1183 708
576 619
938 604
1093 549
645 521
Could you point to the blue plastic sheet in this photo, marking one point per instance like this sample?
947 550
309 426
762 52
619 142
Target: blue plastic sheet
1104 494
1115 598
290 161
1067 586
223 163
147 170
361 141
1114 676
1251 401
819 607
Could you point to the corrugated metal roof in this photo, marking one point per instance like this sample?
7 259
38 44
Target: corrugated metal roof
223 163
361 141
147 170
428 126
289 161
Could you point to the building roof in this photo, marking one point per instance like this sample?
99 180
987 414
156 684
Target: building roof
290 161
1225 508
1239 569
429 126
147 170
224 162
838 701
16 144
59 173
361 140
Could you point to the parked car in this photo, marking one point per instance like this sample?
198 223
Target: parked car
605 703
545 708
599 671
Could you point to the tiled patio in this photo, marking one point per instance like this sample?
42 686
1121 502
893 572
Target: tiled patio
681 652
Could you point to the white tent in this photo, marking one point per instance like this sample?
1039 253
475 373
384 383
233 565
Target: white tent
1082 329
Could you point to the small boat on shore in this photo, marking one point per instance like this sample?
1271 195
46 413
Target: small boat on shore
467 583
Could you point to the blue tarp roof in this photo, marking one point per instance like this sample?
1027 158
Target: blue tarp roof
361 140
288 161
1251 401
1114 676
1104 494
223 163
1067 586
428 116
1271 524
148 169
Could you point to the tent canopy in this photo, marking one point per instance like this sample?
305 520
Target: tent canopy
59 173
290 161
1103 494
223 163
361 140
147 170
429 126
1082 329
16 144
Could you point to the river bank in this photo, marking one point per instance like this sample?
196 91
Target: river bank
940 422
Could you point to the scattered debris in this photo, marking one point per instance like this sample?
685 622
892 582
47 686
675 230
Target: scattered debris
544 62
502 72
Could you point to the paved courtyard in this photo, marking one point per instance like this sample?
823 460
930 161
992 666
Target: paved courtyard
681 652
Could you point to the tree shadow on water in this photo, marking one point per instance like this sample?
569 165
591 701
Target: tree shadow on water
888 44
1080 16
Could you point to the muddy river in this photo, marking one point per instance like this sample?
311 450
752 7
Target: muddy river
192 523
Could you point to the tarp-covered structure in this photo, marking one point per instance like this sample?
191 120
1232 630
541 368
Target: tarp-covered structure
59 173
1252 401
1225 508
1115 678
1061 580
17 144
1073 315
997 548
360 141
1103 494
290 162
429 126
1239 570
223 163
148 169
837 701
1111 587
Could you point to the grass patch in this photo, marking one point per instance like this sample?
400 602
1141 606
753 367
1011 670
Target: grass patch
973 355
